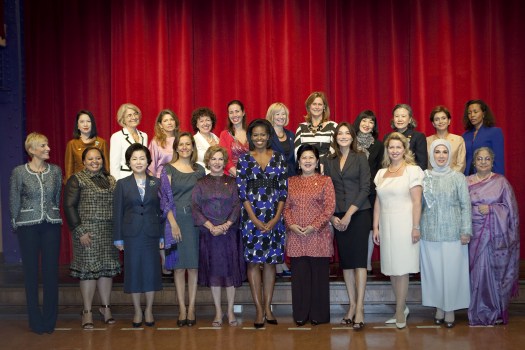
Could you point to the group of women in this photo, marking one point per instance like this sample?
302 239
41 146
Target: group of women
223 209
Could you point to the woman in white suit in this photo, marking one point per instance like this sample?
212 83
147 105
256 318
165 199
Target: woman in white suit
128 116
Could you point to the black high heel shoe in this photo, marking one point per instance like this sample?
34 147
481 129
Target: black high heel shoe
274 321
182 323
300 323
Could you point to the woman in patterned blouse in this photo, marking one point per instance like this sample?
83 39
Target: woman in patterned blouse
309 242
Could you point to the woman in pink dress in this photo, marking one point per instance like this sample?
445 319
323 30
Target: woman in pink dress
161 147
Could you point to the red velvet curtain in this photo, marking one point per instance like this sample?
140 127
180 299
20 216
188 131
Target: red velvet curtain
182 54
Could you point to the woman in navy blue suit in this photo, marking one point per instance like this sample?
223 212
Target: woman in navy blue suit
137 229
282 140
482 132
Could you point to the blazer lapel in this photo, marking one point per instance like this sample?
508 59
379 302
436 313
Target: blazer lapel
348 163
127 136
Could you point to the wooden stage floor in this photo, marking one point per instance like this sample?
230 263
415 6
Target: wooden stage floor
420 333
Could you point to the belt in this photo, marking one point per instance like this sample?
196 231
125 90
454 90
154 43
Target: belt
262 183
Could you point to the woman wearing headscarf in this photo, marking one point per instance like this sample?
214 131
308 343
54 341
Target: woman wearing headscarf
446 228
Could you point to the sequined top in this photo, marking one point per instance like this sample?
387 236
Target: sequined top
446 213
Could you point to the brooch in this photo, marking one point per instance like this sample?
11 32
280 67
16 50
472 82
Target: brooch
151 183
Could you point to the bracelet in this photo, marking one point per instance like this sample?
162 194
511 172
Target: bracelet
416 228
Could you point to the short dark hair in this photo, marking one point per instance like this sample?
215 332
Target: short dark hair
367 114
202 112
76 131
265 124
137 147
411 123
303 148
85 152
438 109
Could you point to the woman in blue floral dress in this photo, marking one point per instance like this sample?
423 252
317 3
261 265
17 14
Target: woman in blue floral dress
262 182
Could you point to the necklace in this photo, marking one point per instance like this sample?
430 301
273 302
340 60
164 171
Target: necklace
393 172
315 128
483 178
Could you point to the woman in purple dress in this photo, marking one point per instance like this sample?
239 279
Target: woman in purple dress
263 188
495 244
216 209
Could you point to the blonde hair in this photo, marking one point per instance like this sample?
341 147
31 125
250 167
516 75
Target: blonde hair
121 113
211 151
274 109
32 140
408 156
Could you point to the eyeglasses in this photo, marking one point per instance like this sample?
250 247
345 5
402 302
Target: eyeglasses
131 116
481 159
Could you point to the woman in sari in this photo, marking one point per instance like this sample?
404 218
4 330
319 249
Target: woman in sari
495 245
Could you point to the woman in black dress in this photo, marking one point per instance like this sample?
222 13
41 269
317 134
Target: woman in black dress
350 175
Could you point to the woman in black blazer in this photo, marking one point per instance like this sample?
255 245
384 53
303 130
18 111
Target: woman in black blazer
350 173
282 140
404 123
365 126
137 230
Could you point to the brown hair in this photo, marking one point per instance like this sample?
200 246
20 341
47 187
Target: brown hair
160 136
310 100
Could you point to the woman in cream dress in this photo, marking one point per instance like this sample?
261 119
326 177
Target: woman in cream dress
397 213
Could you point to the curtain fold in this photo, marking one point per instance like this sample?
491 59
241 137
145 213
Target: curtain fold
182 54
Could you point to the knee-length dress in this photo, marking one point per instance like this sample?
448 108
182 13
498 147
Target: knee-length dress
84 194
399 255
264 189
181 188
221 263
